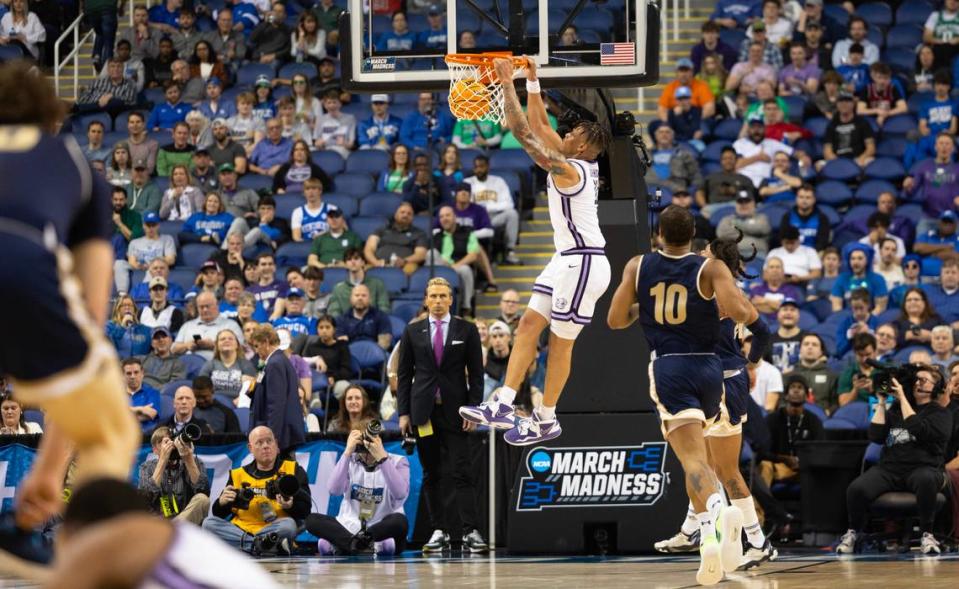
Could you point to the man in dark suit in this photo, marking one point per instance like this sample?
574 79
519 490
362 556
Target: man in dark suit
440 369
276 398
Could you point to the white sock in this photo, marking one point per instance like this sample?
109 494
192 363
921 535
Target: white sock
690 524
505 395
707 526
546 413
714 504
754 532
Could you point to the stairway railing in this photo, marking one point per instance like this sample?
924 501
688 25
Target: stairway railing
74 55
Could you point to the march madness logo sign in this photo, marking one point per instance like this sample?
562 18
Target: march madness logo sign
581 477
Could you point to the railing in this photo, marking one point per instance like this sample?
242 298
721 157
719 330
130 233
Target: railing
74 55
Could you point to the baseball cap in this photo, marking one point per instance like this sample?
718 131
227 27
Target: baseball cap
789 232
151 218
209 265
201 152
846 96
226 168
294 292
794 378
334 212
263 81
157 281
285 339
757 121
744 196
463 186
947 216
498 327
683 92
140 164
214 80
684 63
160 330
219 122
380 98
759 25
911 258
434 10
789 301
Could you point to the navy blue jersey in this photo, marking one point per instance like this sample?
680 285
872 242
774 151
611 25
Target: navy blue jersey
727 348
676 319
46 181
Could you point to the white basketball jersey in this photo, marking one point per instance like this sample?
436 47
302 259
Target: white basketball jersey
573 210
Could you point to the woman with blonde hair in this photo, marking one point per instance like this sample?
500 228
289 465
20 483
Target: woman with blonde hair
181 199
229 369
124 330
201 134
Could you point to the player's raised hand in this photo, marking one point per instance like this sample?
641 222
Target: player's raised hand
504 70
530 68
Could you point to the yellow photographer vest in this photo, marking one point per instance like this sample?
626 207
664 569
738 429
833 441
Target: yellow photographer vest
251 520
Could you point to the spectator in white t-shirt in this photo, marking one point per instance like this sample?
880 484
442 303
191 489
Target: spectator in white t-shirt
144 250
765 381
878 224
756 152
801 263
493 193
335 130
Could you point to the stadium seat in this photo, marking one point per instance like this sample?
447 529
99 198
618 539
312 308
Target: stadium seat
120 122
728 129
287 203
365 226
380 205
885 168
714 150
356 185
397 326
424 223
837 423
817 126
183 277
875 13
816 410
84 121
255 182
193 364
892 147
888 316
166 407
807 321
34 416
368 161
873 453
331 162
346 203
796 106
898 126
732 37
841 170
368 359
467 156
774 211
194 254
900 59
293 254
291 69
332 277
820 308
913 12
598 19
856 413
906 36
833 192
405 310
859 212
393 278
419 279
247 74
870 190
902 356
10 52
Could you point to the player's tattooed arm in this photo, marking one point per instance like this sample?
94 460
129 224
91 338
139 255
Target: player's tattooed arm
549 159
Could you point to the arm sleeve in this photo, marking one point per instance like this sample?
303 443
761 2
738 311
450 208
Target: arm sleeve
934 427
146 483
397 475
340 477
203 482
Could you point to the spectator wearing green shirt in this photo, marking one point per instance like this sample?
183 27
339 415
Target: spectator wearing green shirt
477 134
127 223
340 297
456 246
330 246
180 152
855 382
143 195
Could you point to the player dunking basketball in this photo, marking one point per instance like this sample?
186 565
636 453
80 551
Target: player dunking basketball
565 293
55 231
677 295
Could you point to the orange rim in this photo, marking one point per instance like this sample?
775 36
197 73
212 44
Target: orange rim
484 59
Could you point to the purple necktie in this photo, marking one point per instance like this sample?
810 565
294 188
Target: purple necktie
438 350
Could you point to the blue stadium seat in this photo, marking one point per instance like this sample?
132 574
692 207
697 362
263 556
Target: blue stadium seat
917 100
511 159
840 169
291 69
807 321
424 223
833 192
714 150
913 12
796 106
114 137
194 254
393 278
857 213
356 185
166 407
816 410
873 453
900 59
368 161
193 364
885 168
346 203
870 190
368 358
817 126
466 20
906 36
728 129
243 416
183 277
732 37
892 147
419 279
876 36
875 13
293 254
902 356
34 416
120 123
255 182
84 120
774 211
467 156
331 162
287 203
365 226
856 413
380 205
405 310
332 277
598 19
247 74
397 326
10 52
838 13
838 423
887 316
898 126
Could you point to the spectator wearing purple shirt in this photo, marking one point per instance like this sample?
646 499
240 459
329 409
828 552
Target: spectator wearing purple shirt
800 77
711 43
272 151
935 182
270 292
768 296
469 214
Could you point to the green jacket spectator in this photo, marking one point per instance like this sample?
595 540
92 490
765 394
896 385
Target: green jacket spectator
340 297
331 246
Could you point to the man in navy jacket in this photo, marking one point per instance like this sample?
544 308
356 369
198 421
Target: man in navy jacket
276 398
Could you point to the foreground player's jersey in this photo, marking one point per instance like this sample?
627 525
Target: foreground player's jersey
573 210
46 182
727 348
676 318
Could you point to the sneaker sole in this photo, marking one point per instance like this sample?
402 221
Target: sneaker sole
731 544
751 564
480 420
529 442
666 550
710 565
443 549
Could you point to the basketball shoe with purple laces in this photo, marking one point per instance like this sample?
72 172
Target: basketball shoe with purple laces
533 430
490 412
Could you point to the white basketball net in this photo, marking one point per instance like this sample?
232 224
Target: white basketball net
467 98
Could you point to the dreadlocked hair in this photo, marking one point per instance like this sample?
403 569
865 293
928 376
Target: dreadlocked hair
727 251
595 135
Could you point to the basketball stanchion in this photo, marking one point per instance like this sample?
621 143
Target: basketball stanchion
491 483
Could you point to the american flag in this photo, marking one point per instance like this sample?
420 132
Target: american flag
617 54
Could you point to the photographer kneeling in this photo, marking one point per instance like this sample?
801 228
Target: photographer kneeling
175 482
372 515
914 433
265 498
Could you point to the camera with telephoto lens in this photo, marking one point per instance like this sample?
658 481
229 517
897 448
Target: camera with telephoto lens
884 372
243 497
408 445
286 485
189 433
373 430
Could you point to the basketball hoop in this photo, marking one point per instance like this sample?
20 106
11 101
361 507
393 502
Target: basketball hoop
475 92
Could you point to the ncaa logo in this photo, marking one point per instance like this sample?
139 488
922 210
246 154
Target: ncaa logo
540 462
